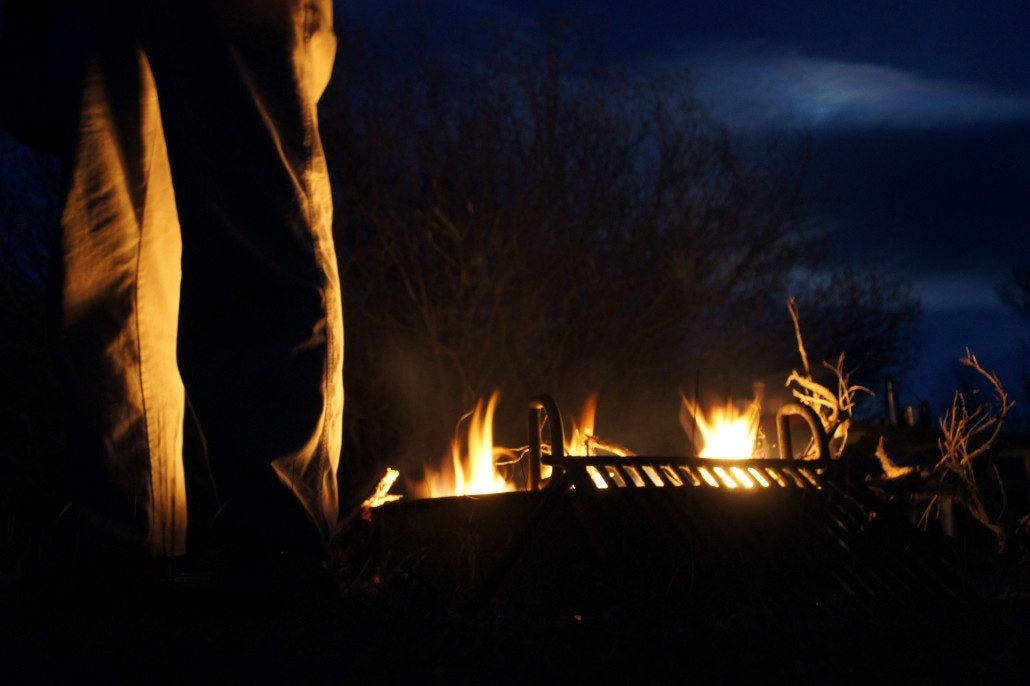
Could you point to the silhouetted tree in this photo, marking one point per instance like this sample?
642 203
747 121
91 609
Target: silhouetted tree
32 410
1014 291
521 219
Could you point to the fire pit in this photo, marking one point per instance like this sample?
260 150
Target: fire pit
684 536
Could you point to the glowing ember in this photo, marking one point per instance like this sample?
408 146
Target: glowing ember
472 471
726 432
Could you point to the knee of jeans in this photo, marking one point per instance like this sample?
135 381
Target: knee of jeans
306 26
268 19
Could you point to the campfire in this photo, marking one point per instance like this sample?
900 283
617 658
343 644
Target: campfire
737 521
726 446
727 434
685 524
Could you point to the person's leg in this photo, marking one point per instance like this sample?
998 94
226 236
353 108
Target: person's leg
118 264
261 329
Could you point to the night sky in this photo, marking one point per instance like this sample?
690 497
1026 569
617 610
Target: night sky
919 114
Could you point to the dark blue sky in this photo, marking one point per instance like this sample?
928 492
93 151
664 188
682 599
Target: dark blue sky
919 112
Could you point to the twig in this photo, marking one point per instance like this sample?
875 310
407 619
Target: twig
891 469
792 306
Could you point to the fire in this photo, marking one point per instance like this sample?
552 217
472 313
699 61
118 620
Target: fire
583 441
472 470
726 432
583 430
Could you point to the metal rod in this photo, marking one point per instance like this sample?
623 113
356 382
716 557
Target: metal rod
543 407
535 424
693 417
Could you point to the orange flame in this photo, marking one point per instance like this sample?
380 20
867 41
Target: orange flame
583 442
726 432
583 430
472 471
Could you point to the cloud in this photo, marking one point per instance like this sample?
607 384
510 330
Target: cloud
762 91
951 291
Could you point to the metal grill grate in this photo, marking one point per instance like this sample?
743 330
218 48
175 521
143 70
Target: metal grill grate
635 472
666 472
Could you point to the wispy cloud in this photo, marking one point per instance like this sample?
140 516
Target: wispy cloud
958 291
750 91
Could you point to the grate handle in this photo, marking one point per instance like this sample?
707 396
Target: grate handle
543 407
815 426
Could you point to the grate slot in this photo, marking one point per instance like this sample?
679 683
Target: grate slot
742 477
811 478
707 476
724 476
671 476
615 476
596 476
653 475
634 475
695 480
758 477
775 476
798 481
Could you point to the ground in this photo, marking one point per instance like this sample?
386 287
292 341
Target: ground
352 641
393 630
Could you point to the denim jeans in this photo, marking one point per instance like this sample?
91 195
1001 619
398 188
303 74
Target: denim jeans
196 261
